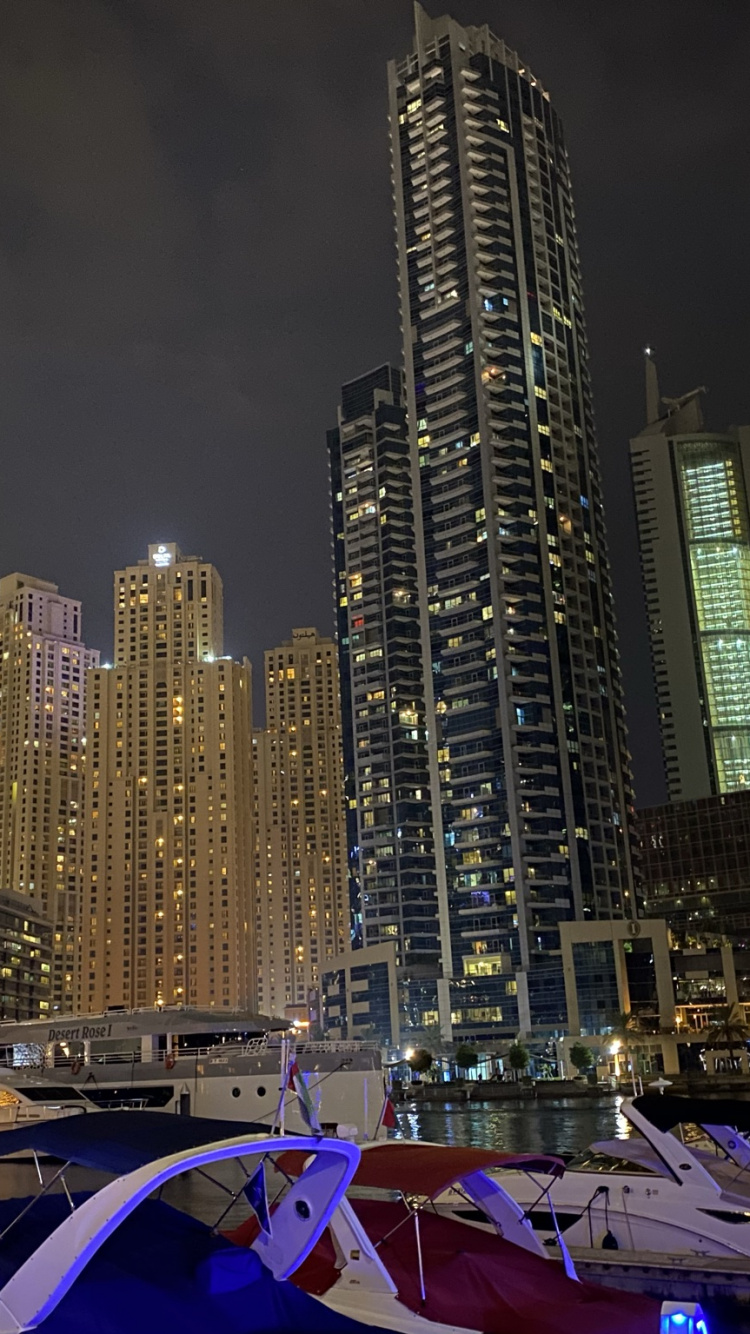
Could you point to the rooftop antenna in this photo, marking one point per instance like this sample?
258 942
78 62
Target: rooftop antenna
653 398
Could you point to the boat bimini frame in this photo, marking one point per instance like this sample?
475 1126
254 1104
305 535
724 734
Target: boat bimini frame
45 1277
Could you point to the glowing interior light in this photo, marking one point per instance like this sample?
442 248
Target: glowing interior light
687 1322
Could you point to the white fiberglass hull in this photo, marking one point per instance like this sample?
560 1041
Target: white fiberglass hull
224 1086
641 1213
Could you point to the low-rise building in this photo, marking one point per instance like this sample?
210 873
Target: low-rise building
631 988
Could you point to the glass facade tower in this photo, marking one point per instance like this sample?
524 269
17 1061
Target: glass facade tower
694 532
389 818
523 697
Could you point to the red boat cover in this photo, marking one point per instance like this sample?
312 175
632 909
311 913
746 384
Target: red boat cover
474 1280
477 1281
427 1169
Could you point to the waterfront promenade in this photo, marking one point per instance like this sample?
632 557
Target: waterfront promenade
494 1091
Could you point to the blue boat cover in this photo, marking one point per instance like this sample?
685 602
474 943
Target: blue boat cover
121 1141
162 1271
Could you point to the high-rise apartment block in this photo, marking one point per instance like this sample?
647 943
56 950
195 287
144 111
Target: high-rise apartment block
523 696
302 915
691 496
168 842
43 666
389 816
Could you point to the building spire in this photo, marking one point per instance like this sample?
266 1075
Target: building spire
653 398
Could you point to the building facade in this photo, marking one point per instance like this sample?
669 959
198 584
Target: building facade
26 959
43 666
302 913
523 702
691 496
391 830
643 1002
695 868
168 868
360 995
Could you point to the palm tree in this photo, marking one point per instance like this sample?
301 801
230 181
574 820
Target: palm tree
625 1030
729 1030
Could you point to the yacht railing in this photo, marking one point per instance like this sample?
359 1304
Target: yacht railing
216 1052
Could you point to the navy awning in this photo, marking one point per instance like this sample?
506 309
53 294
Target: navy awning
122 1141
665 1111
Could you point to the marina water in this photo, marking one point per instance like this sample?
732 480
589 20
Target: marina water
564 1125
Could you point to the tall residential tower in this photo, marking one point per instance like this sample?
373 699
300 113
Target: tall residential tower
691 497
168 840
302 910
389 817
43 666
524 709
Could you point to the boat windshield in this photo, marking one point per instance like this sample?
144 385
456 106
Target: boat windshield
633 1156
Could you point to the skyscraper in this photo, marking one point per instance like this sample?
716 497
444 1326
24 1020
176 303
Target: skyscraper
168 842
389 817
691 496
524 710
43 667
302 910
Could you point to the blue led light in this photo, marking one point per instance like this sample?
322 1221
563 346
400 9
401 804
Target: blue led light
691 1321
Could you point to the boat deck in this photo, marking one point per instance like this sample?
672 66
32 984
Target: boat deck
691 1278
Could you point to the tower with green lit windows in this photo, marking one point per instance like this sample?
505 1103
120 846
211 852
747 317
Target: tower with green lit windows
691 494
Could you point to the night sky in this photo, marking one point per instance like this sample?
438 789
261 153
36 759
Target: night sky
197 249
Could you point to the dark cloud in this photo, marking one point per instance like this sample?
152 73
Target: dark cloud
196 249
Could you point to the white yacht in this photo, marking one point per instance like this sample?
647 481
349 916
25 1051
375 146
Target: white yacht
201 1063
678 1185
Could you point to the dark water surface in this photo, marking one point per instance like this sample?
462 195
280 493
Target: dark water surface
555 1126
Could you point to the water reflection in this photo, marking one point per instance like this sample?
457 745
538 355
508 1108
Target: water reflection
561 1125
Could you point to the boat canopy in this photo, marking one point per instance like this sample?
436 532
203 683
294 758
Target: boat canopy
665 1112
428 1169
120 1141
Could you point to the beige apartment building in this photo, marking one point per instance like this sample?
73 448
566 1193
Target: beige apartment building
302 913
43 667
168 865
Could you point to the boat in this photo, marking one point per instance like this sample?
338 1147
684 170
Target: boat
714 1129
672 1188
389 1259
122 1258
179 1059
